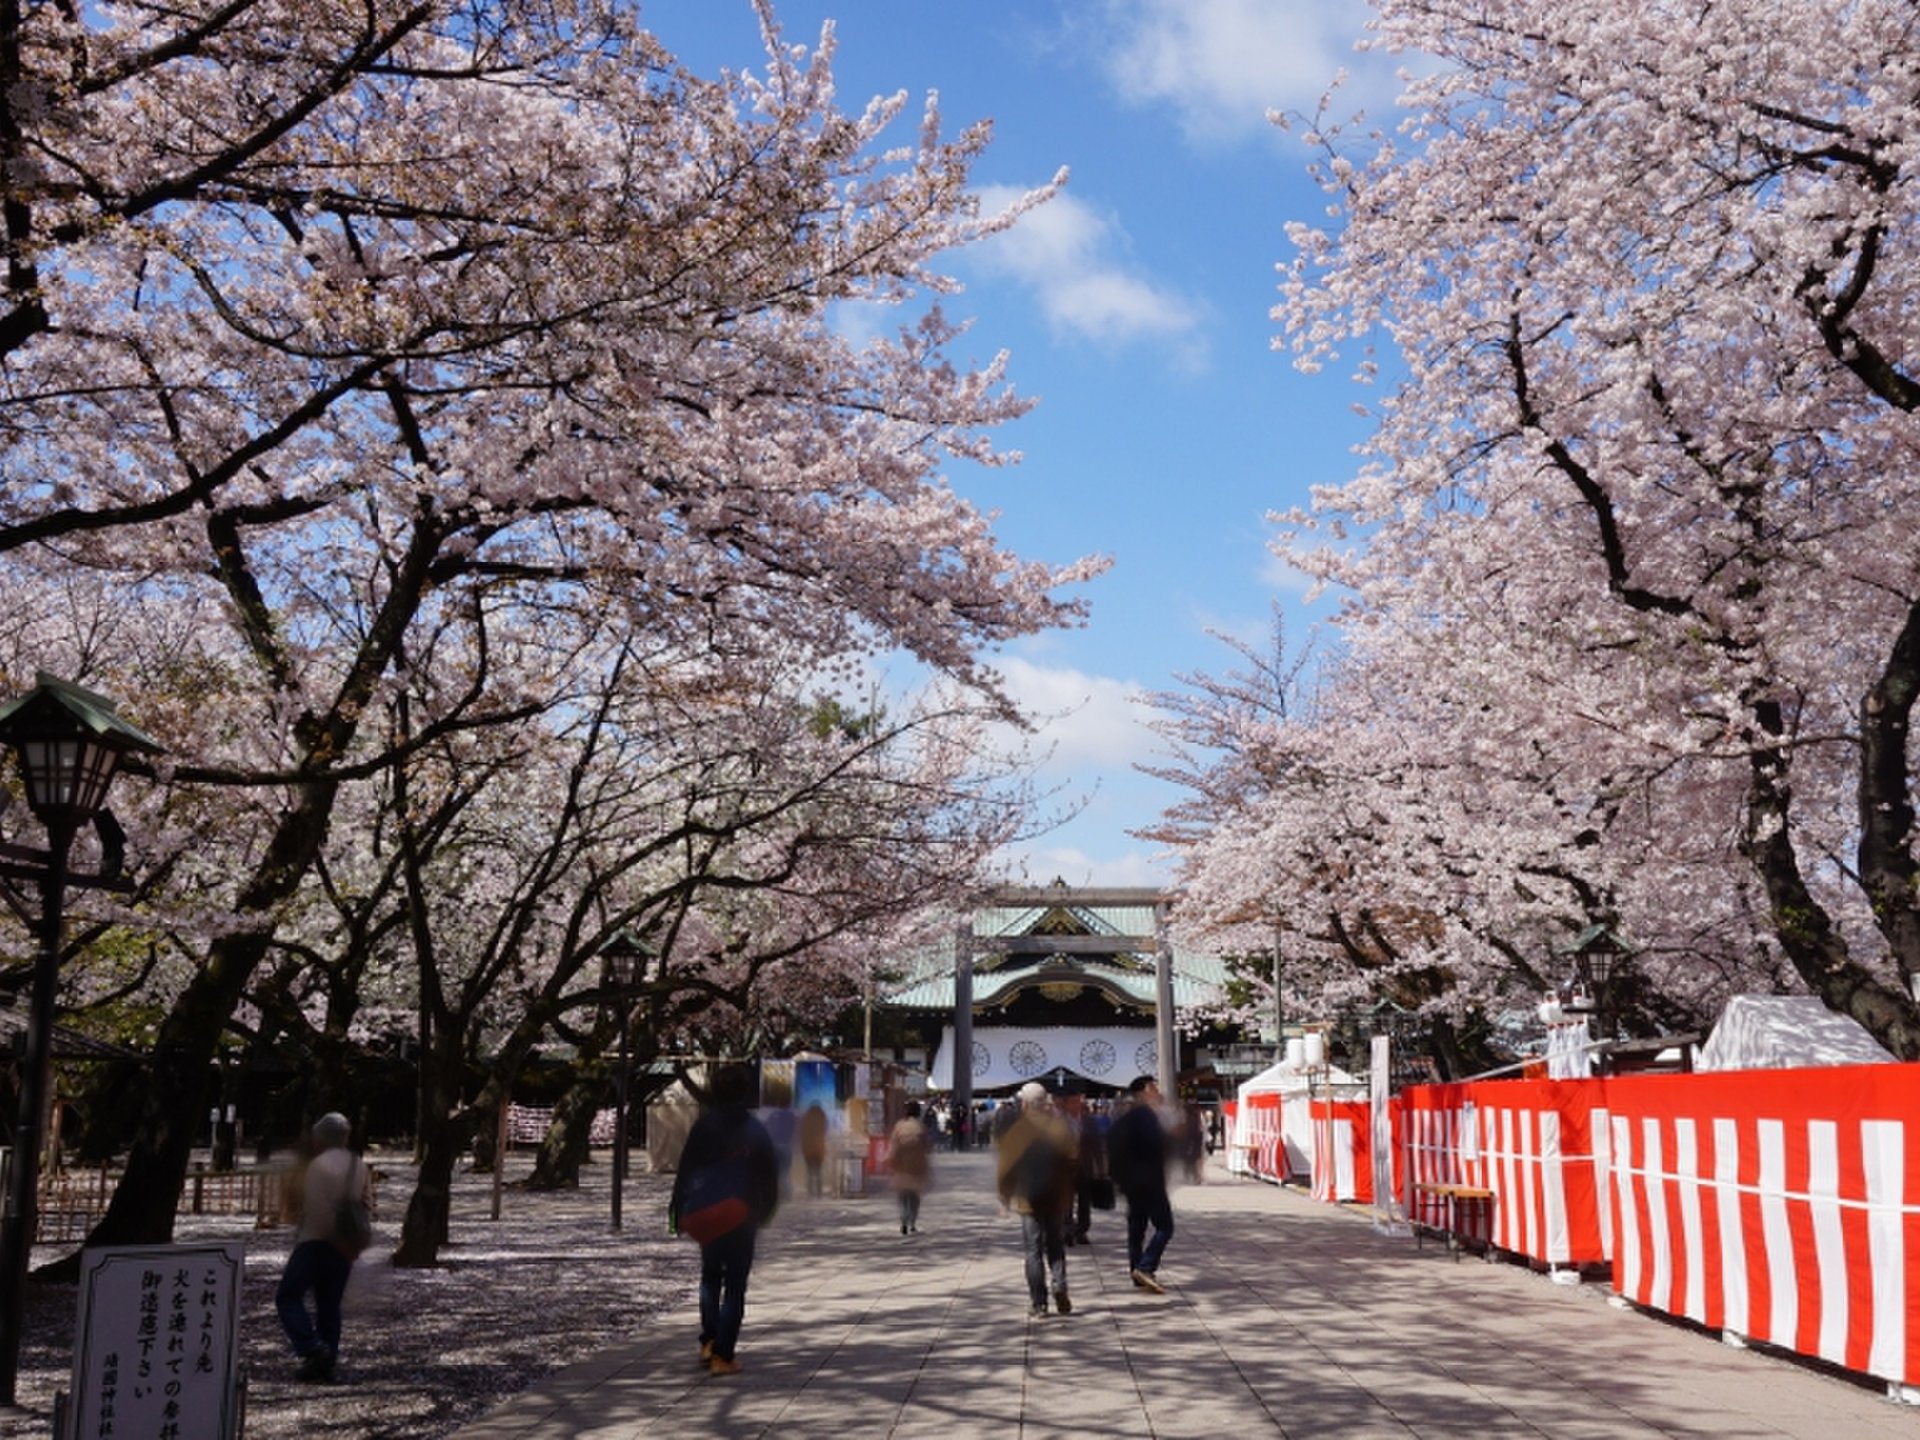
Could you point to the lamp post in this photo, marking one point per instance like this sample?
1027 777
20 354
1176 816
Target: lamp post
1600 955
68 742
624 956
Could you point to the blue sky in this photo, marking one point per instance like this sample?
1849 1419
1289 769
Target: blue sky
1136 309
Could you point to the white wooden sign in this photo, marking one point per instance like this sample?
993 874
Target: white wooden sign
155 1357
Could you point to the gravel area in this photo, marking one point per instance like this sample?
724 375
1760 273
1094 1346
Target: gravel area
424 1351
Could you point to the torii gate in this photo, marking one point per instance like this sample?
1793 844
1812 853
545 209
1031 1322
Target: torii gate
966 943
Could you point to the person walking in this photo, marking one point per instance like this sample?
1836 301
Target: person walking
1035 1156
1089 1168
907 1160
1193 1146
1137 1157
726 1189
336 1208
813 1148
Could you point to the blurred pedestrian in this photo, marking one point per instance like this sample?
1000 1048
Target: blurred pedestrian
725 1190
813 1147
336 1211
1089 1168
1035 1152
1137 1157
1193 1145
907 1159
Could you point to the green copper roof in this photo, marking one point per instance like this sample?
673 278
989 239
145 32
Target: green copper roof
1128 974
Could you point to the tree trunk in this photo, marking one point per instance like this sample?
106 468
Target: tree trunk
486 1149
428 1222
1456 1055
563 1149
142 1208
141 1211
1806 932
1889 871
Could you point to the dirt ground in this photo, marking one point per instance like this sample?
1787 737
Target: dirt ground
423 1351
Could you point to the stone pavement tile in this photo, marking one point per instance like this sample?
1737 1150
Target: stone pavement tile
514 1420
1116 1424
614 1406
1715 1390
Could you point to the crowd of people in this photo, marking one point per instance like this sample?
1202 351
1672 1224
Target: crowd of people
1058 1159
1196 1129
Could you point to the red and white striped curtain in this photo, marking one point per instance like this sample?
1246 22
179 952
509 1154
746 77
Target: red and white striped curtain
1258 1148
1783 1206
1342 1150
1778 1205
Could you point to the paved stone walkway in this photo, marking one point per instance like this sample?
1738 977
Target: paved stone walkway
1284 1317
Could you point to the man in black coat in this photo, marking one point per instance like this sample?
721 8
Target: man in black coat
727 1187
1137 1154
1090 1167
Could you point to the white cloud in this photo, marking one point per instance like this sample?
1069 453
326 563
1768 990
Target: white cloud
860 322
1087 722
1223 64
1070 256
1040 864
1093 732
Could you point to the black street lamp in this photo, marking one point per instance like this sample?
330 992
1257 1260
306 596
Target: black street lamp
625 958
69 742
1599 957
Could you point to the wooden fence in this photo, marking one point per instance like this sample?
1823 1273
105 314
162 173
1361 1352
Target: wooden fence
71 1201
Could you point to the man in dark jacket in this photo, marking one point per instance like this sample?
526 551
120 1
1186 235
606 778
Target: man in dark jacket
1090 1168
726 1170
1137 1159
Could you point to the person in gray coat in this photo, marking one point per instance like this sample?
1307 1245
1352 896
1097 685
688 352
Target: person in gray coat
323 1256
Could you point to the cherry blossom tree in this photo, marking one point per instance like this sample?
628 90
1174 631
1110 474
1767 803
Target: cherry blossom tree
1641 500
1407 830
359 333
755 854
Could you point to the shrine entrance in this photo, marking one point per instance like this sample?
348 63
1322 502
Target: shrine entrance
1073 986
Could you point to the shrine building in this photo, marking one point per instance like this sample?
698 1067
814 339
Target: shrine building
1070 986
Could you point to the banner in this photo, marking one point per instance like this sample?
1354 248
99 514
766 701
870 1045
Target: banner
1011 1055
1777 1205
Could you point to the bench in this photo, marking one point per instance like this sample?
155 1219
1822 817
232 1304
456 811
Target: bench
1457 1203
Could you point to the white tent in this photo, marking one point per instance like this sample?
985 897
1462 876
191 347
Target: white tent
1295 1080
1294 1084
1779 1032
